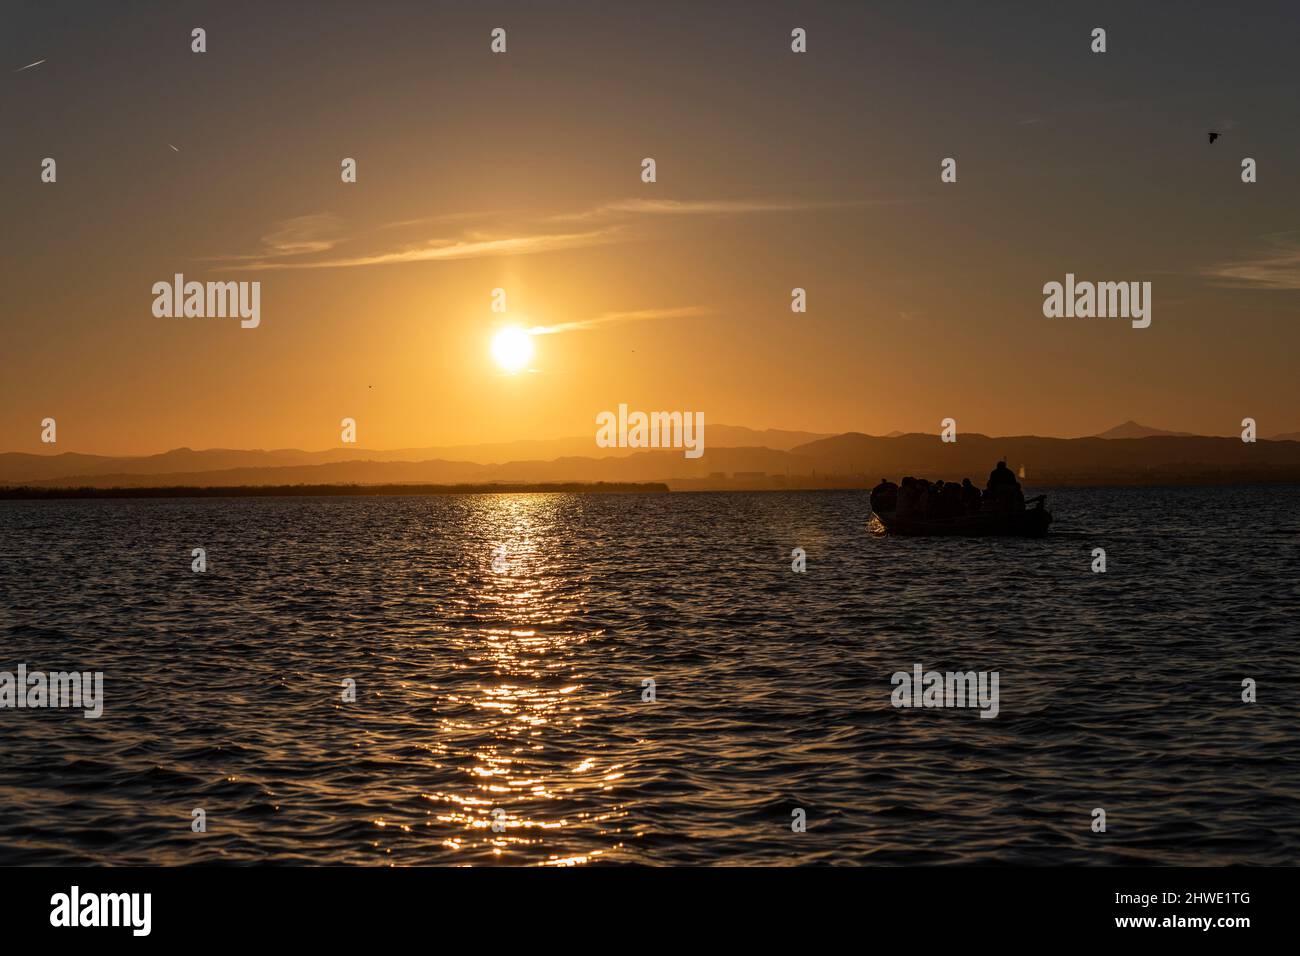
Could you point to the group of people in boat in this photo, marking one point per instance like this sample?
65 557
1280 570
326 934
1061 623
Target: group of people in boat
920 498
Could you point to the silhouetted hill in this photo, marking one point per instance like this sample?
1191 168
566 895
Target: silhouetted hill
849 460
1131 429
1158 459
22 467
662 464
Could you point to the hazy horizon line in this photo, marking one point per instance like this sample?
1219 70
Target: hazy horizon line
819 436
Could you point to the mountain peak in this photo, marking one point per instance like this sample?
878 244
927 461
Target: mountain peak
1131 429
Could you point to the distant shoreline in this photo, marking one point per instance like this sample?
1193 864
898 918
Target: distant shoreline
675 486
28 493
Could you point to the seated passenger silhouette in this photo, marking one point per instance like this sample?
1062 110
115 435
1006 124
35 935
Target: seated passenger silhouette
934 508
907 497
923 498
884 497
958 506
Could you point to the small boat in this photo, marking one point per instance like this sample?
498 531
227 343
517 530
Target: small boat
1029 523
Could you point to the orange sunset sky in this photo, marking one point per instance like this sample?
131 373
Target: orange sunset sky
522 171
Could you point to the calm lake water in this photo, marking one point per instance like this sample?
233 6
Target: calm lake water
522 690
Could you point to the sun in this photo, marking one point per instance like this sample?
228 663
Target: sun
512 348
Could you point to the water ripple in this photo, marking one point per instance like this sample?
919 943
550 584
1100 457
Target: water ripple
513 695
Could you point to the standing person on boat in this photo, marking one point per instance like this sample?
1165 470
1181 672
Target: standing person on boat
1004 490
1001 475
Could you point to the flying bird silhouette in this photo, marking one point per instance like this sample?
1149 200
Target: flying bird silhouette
1213 137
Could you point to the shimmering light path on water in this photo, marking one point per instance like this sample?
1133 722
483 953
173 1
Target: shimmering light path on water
522 690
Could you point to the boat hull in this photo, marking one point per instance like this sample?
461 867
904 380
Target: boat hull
1032 523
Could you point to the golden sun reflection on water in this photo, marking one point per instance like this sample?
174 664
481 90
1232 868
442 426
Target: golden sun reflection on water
513 730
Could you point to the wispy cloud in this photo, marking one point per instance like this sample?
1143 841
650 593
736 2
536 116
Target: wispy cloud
714 207
299 236
1277 266
303 235
300 243
441 250
610 318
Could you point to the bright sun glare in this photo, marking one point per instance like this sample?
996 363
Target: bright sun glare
512 348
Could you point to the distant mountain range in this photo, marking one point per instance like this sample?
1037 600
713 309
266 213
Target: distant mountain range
734 457
21 467
1132 429
1158 459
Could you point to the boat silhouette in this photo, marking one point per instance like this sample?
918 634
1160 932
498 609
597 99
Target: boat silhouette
917 507
1026 523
